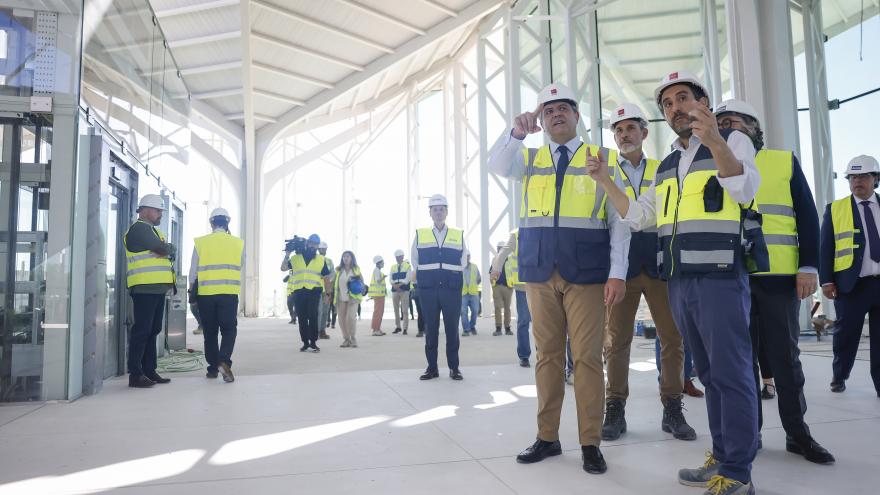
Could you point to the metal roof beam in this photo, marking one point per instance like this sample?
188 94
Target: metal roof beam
292 75
198 69
469 15
384 17
208 38
659 37
280 97
320 25
442 8
670 58
192 9
290 46
650 15
218 93
240 116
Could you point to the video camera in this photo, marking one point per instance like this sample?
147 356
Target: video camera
295 245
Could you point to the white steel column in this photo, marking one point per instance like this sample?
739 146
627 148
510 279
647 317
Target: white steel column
253 196
711 53
459 128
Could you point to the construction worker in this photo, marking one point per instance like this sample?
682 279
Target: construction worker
150 276
401 278
791 230
849 268
502 293
470 297
310 280
637 172
215 271
709 238
438 256
572 257
325 303
377 292
523 317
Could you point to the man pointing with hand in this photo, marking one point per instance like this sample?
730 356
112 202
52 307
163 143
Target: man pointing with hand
573 258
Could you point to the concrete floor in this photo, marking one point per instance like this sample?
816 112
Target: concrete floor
359 421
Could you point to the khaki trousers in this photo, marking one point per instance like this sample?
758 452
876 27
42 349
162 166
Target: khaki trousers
401 306
378 311
555 304
501 295
620 335
346 314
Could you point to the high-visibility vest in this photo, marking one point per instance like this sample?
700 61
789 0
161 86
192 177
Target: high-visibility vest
219 269
643 243
303 276
399 272
355 272
513 261
844 233
694 241
564 229
469 285
508 274
777 209
377 285
147 267
439 266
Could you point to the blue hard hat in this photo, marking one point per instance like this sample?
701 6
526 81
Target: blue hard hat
315 238
356 286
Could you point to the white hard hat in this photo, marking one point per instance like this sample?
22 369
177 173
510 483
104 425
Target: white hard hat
627 111
322 245
678 77
399 252
863 164
219 212
377 259
555 92
737 106
438 200
152 201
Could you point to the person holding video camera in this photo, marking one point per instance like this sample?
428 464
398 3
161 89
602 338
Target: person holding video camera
308 273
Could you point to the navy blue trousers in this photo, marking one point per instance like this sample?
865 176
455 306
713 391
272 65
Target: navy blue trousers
434 301
851 309
219 319
523 319
149 313
713 315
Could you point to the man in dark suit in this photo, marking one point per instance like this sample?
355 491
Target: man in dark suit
849 268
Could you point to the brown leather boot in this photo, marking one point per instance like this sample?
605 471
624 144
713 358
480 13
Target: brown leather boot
691 389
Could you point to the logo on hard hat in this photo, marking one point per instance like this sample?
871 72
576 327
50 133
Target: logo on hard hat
856 167
620 111
672 76
553 91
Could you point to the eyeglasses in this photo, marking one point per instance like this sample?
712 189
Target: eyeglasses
727 122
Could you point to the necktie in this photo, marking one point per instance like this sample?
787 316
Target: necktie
561 165
871 228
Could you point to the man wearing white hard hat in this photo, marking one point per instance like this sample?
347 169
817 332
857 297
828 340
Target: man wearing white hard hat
326 303
502 294
377 292
710 238
150 276
637 173
849 268
438 257
401 278
215 276
791 230
573 258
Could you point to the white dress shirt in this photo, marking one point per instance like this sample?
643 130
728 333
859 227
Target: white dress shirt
506 160
741 188
440 237
869 266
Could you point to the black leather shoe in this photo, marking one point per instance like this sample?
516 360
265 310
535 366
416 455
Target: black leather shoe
158 379
226 371
455 375
838 386
397 330
507 331
304 348
615 420
140 381
524 362
539 451
212 374
429 374
594 462
810 449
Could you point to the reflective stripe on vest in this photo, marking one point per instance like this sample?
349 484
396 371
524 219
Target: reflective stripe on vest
377 285
844 233
439 266
648 177
355 272
777 209
147 267
219 270
470 286
399 271
304 276
513 261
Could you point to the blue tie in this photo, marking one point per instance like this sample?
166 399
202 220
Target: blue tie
871 228
561 166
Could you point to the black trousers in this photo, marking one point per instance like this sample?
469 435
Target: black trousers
420 320
219 317
851 309
149 313
306 303
775 331
290 307
435 301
